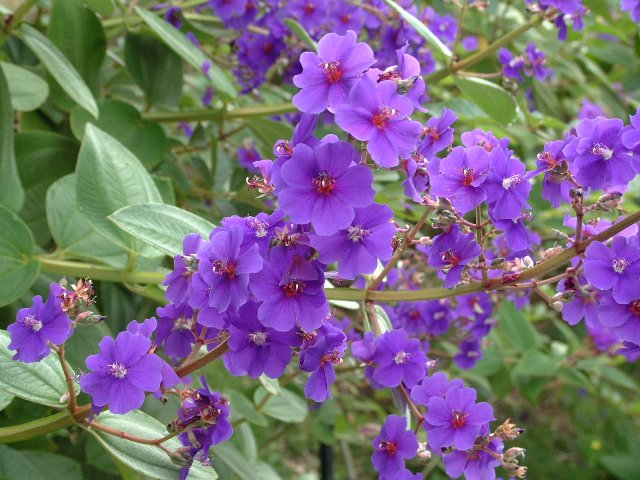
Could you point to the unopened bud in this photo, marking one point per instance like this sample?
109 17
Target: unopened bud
511 454
508 430
423 453
557 306
65 397
521 471
406 84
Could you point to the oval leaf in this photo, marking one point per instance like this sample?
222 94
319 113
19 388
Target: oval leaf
493 99
159 225
188 51
28 91
42 382
302 34
11 192
18 268
110 177
146 459
286 407
59 67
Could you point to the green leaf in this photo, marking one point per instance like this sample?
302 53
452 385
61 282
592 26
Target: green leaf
301 33
618 377
110 177
5 399
383 319
43 157
102 7
11 192
624 466
231 457
287 407
243 407
517 330
146 459
155 68
75 236
18 268
159 225
59 67
423 30
269 131
32 465
145 139
28 91
41 382
493 99
188 52
271 385
78 33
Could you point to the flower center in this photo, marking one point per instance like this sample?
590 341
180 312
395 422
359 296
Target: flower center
390 73
458 419
384 116
283 148
209 414
332 70
334 357
293 288
469 176
259 338
33 323
619 265
602 151
117 369
548 158
450 258
259 226
324 183
182 323
432 132
224 267
507 183
357 233
386 446
401 358
635 308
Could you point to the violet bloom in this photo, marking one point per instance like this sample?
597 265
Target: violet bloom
473 464
486 140
173 16
456 420
324 186
623 319
506 186
400 359
438 133
327 77
470 353
406 75
454 255
512 67
256 349
247 156
122 372
358 247
436 385
556 186
591 110
347 17
616 268
633 7
318 355
225 268
38 325
631 139
460 177
174 330
184 267
583 304
291 297
377 114
309 13
394 444
535 63
599 154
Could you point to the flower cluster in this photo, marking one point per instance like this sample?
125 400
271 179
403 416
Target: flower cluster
532 63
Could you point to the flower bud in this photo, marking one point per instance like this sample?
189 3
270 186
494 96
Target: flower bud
511 454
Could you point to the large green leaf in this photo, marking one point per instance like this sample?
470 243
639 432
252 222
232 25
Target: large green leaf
77 32
155 68
41 382
43 157
18 268
188 51
493 99
233 459
36 465
286 407
11 192
145 139
75 236
515 327
110 177
423 30
159 225
28 91
59 67
146 459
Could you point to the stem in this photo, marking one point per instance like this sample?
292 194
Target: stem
126 436
412 406
25 431
214 354
73 407
96 272
15 19
480 240
216 115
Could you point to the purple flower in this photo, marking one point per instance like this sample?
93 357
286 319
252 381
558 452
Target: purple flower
460 177
38 325
174 330
535 63
436 385
512 67
377 114
456 420
506 186
291 294
633 7
599 154
400 359
327 77
394 444
184 267
583 304
173 15
473 464
616 268
590 110
256 349
122 372
309 13
347 17
453 254
623 319
631 139
324 186
555 185
318 355
225 268
438 133
470 353
358 247
247 156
